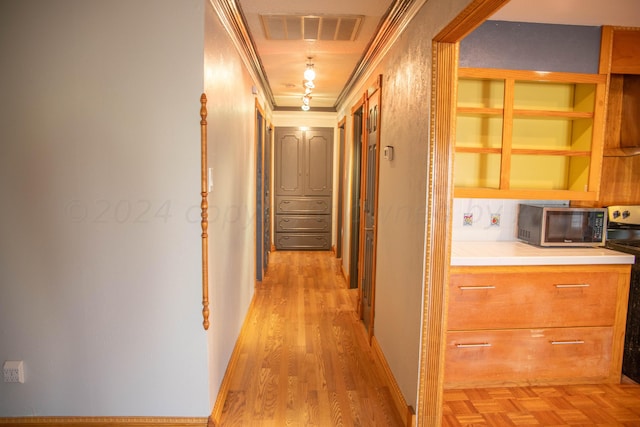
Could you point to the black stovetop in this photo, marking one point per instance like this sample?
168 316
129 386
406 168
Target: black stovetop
631 246
624 237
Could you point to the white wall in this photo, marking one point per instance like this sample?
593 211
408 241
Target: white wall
99 174
232 203
489 220
301 118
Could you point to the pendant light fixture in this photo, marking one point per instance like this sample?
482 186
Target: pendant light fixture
309 76
309 73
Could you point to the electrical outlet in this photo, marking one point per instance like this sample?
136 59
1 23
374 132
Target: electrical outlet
13 371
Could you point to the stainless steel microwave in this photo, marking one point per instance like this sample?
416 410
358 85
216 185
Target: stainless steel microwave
548 225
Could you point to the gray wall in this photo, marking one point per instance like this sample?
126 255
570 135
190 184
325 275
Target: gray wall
405 112
231 156
99 174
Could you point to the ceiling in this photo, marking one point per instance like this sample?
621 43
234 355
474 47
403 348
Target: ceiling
336 62
284 61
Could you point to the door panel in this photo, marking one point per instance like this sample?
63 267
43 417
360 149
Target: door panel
341 179
259 196
288 167
303 205
318 158
356 179
369 212
267 199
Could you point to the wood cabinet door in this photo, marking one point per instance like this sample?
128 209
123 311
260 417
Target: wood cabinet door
529 356
318 162
304 162
492 300
289 147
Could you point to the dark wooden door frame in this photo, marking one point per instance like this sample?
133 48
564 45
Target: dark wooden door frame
267 149
369 270
357 114
260 191
341 177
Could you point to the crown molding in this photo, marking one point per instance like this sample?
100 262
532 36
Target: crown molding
391 26
233 21
396 19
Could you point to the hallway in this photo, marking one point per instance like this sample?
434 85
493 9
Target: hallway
304 359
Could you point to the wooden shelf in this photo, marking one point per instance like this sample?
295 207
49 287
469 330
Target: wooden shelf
520 133
553 114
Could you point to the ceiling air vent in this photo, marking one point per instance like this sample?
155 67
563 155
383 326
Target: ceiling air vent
309 27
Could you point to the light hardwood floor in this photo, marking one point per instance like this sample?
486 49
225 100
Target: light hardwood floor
304 360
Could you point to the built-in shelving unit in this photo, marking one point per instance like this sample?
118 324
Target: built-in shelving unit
527 134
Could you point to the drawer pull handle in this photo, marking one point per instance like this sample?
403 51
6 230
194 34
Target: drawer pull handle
482 344
574 285
472 288
567 342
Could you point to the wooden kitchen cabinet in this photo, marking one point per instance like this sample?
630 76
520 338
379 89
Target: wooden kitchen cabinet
620 59
528 135
523 325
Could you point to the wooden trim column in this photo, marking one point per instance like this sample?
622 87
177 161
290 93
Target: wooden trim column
438 234
204 206
439 201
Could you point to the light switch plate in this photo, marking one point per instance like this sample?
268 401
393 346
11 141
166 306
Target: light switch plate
388 152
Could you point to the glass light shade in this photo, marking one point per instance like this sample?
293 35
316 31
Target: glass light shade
305 108
309 84
309 73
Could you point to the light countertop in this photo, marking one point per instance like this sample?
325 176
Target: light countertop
520 253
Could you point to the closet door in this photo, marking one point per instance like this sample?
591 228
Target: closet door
318 162
303 174
289 162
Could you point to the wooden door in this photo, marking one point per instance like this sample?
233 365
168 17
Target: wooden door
341 178
267 199
288 163
318 162
356 178
369 210
259 196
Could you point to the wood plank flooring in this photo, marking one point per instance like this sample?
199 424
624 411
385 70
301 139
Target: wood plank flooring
305 360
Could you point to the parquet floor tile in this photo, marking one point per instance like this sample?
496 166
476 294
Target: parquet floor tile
562 406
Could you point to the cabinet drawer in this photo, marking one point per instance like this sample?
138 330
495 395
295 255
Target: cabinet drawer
524 300
303 205
303 241
528 356
304 223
